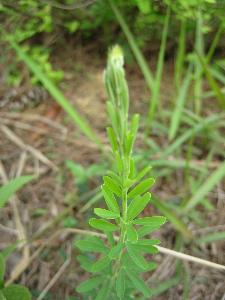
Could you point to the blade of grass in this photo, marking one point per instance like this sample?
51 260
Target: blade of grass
177 164
154 101
164 286
55 92
173 218
215 42
11 187
134 47
188 134
180 57
213 84
199 45
213 237
179 105
207 186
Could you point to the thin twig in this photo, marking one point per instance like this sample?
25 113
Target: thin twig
56 277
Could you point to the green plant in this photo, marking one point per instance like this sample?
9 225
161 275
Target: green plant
116 274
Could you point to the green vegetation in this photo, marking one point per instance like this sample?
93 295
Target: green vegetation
126 195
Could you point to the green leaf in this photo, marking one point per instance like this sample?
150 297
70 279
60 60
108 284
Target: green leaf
7 190
101 264
129 140
145 248
141 188
110 199
102 225
91 244
155 221
137 205
121 284
112 114
133 172
112 185
126 262
142 173
137 258
16 292
131 234
103 292
119 162
148 242
139 284
89 284
2 267
144 230
115 251
112 139
106 214
85 262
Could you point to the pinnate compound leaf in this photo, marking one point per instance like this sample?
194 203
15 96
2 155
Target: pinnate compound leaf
112 185
16 292
141 188
139 284
89 284
7 190
155 221
137 257
121 284
110 199
101 264
137 205
2 267
106 214
131 234
91 244
102 225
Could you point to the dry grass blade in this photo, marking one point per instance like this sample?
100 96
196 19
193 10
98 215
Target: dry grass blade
25 147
